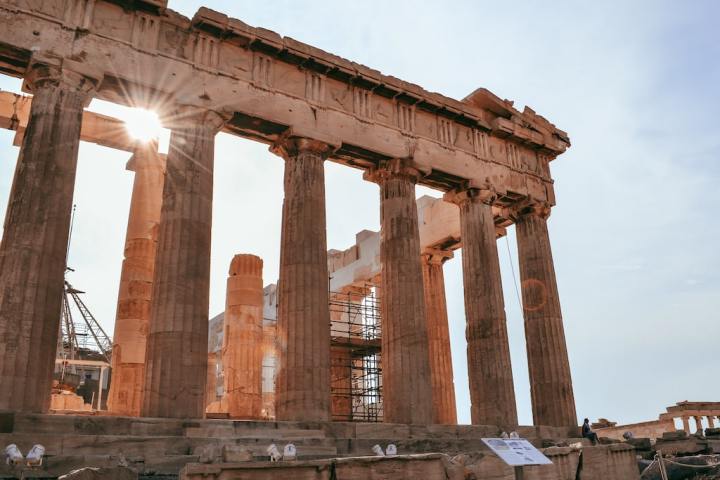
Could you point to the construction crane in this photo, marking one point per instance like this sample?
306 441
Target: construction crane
79 337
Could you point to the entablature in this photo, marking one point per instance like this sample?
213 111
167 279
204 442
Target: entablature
274 86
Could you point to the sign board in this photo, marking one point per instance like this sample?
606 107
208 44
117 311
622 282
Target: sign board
516 452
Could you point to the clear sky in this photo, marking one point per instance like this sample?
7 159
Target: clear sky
635 233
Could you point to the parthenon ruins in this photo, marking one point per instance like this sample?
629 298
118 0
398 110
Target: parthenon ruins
212 74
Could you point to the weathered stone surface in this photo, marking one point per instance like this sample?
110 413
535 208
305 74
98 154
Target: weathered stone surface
136 279
407 390
303 380
492 393
441 371
604 462
242 339
235 454
108 473
551 390
176 366
34 243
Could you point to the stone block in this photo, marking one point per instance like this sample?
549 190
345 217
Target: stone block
236 454
316 470
640 443
485 467
388 431
91 473
712 432
426 467
603 462
688 446
676 435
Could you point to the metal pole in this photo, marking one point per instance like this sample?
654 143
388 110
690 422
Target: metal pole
519 474
100 388
661 465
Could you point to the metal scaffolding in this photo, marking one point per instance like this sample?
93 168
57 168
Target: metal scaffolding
356 373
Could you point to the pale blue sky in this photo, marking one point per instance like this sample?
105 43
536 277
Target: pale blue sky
634 234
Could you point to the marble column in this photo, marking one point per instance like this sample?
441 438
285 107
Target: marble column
303 326
407 389
177 342
438 331
34 243
136 280
711 421
242 351
686 424
551 391
698 424
492 393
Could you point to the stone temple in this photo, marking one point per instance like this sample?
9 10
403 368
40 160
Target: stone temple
205 399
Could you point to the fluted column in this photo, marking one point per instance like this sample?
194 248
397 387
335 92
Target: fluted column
492 393
711 421
136 280
242 339
303 326
441 370
407 390
177 343
34 243
686 424
551 389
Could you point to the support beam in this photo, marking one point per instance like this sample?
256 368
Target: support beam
136 281
407 389
34 244
551 390
303 379
492 393
177 344
438 331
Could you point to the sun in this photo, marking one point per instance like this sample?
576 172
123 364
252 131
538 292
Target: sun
143 125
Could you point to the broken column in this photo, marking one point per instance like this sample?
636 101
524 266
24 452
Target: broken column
492 393
303 326
407 391
551 391
242 352
36 229
136 279
177 343
441 371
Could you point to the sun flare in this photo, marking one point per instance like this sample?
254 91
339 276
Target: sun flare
143 125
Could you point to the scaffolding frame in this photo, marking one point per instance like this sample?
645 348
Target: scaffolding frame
356 373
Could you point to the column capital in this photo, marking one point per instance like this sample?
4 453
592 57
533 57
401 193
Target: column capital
484 194
530 206
292 146
395 167
50 71
181 117
436 256
146 157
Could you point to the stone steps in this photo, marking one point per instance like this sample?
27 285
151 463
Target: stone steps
162 446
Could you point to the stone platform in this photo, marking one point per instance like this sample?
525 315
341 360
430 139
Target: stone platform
162 447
